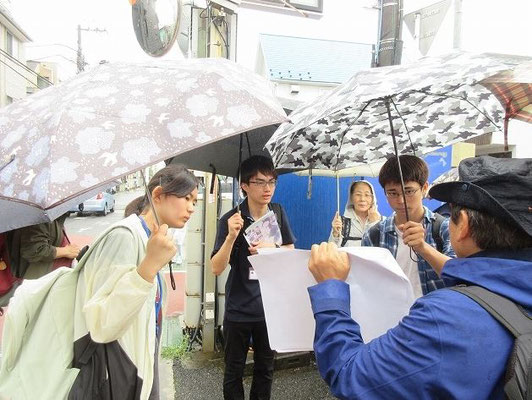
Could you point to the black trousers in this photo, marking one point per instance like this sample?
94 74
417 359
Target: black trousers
237 336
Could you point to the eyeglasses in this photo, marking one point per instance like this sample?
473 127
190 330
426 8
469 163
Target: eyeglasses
396 195
263 184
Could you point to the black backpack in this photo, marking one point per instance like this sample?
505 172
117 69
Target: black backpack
346 231
518 378
276 208
374 232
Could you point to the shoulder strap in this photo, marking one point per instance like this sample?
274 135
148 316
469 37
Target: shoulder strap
13 248
346 231
346 225
276 208
375 234
436 226
502 309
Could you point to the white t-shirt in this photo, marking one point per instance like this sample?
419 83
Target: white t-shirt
408 266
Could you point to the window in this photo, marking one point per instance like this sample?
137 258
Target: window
9 43
307 5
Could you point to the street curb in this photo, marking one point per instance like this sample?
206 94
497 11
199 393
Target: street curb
166 380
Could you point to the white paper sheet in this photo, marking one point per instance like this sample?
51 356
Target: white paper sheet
381 294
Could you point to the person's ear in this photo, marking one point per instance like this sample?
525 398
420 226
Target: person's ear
462 225
425 189
156 194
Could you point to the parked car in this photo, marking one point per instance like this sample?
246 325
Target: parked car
103 203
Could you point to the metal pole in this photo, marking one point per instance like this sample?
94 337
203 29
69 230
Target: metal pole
387 102
457 34
337 193
80 59
239 172
79 54
209 282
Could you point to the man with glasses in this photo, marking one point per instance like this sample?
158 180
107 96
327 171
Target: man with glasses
244 322
412 242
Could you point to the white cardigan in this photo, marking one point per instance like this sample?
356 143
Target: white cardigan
103 295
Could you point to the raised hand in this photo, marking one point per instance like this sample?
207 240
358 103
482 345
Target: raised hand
337 225
326 262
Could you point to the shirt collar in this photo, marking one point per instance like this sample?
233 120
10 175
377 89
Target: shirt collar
244 209
522 254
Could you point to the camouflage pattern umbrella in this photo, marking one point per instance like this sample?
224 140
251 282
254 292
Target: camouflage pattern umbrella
427 105
64 142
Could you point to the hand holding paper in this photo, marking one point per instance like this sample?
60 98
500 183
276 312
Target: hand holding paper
326 262
264 230
254 248
380 294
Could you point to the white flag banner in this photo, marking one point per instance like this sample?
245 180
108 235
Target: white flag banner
381 294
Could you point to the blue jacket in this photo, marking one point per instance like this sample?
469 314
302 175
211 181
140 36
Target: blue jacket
447 347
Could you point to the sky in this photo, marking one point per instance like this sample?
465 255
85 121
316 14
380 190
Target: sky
503 28
54 22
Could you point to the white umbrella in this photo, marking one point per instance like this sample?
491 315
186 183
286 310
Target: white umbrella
382 112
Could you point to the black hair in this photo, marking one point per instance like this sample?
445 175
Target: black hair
255 164
492 233
414 170
174 179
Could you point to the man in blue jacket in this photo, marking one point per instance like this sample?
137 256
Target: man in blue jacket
447 347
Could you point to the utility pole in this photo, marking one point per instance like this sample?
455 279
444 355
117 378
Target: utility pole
80 59
457 33
390 45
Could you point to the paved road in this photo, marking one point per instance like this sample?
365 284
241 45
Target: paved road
86 228
203 381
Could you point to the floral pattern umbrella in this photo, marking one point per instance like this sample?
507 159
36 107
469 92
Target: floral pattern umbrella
64 142
427 105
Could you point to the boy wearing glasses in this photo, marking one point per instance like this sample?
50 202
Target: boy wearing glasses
244 322
413 242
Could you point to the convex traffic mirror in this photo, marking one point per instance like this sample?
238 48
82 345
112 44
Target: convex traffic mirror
155 23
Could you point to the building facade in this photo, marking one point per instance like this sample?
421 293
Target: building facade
436 27
14 74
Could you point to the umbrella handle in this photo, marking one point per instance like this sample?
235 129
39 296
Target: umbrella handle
387 102
309 185
149 198
172 281
337 193
239 172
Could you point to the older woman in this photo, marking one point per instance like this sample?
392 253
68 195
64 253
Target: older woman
359 215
